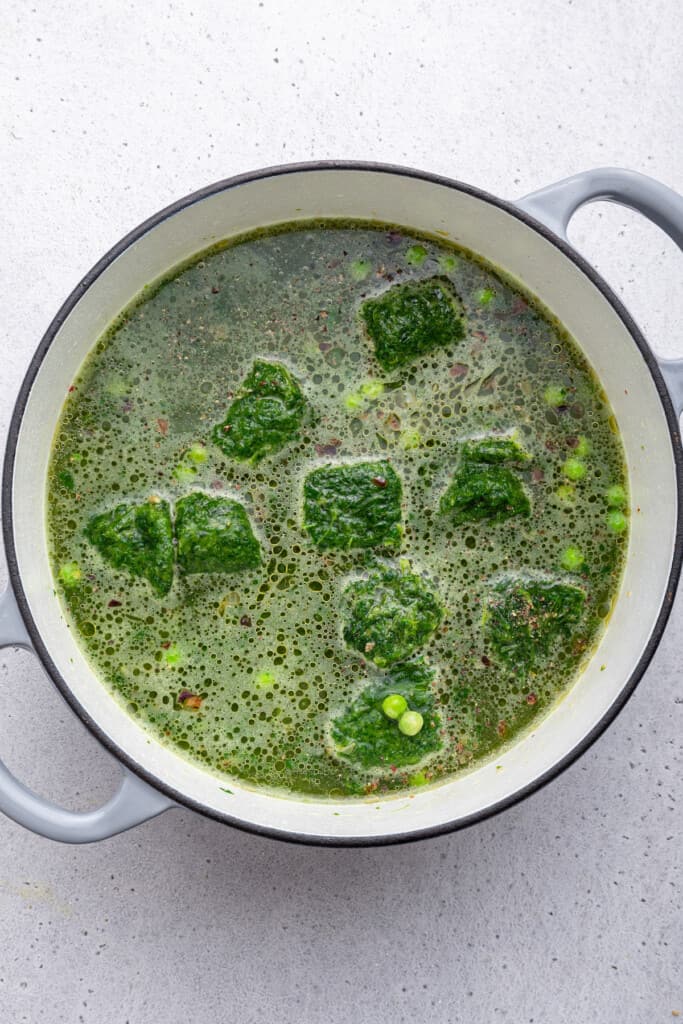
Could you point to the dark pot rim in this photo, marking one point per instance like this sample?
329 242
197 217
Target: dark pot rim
42 651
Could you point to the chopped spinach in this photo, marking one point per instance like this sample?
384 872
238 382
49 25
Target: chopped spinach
483 486
524 616
214 535
390 615
493 450
353 506
138 538
265 415
365 736
410 319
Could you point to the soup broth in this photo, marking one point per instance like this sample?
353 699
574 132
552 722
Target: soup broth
337 509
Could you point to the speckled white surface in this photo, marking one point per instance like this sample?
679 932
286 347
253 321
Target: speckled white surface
566 908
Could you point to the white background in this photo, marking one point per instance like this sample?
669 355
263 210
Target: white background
566 908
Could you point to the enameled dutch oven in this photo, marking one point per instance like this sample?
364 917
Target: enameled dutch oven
528 240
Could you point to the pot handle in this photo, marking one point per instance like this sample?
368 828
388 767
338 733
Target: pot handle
134 801
556 204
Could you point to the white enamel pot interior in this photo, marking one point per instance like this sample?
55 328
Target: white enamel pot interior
545 266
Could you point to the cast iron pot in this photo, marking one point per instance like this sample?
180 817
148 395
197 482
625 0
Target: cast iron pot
528 240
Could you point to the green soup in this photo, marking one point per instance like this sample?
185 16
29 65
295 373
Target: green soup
337 509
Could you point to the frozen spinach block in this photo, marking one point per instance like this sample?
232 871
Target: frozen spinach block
410 319
214 535
265 415
364 735
494 450
138 538
525 616
353 506
486 484
480 491
390 615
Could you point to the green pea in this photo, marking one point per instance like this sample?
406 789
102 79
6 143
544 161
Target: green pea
70 574
372 389
617 521
566 493
616 496
360 269
353 401
172 655
264 679
416 255
574 469
447 263
394 705
410 439
554 396
410 723
197 453
418 779
184 474
484 296
572 559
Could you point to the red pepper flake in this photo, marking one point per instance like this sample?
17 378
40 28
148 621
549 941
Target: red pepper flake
537 476
114 603
216 485
579 646
325 346
531 699
72 388
501 728
166 644
458 370
326 449
379 481
190 701
162 427
214 290
520 306
245 621
481 334
392 767
486 661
